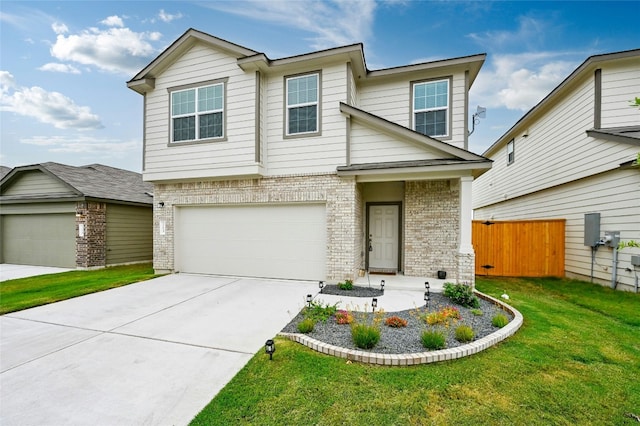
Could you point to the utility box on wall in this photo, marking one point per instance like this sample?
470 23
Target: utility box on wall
612 238
591 229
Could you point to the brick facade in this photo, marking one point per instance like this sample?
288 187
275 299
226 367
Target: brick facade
91 249
431 219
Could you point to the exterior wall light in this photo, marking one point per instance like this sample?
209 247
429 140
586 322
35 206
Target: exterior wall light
374 304
309 299
270 348
161 204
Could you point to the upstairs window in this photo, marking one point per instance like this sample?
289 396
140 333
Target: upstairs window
197 113
431 108
511 155
302 93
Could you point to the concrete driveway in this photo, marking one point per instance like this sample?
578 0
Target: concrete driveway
10 271
151 353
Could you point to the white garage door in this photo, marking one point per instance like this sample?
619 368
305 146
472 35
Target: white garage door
275 241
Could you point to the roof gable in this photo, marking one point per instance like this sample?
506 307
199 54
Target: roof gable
36 182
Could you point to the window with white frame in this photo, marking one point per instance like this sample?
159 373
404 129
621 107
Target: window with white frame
431 108
197 113
511 155
302 109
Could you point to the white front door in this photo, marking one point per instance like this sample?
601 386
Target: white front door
384 236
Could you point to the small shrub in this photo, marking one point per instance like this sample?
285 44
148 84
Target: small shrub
443 316
476 312
461 294
306 325
347 285
499 321
433 339
365 336
464 334
344 317
395 322
319 312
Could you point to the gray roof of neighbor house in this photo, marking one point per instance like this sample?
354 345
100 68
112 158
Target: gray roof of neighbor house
95 181
4 170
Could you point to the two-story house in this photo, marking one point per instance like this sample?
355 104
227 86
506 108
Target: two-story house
576 154
310 166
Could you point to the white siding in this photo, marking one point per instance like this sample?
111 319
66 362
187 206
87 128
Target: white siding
557 150
615 195
201 64
392 101
315 154
370 146
620 84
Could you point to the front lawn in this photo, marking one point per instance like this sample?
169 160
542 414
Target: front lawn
26 293
576 360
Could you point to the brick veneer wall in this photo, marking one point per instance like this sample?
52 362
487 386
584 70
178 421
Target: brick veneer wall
338 193
432 217
91 250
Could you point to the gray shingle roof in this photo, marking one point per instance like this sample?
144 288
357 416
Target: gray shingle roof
4 170
100 181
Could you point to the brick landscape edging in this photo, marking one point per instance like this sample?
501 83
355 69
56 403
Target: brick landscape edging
420 357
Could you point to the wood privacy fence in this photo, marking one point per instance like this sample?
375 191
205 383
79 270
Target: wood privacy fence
521 248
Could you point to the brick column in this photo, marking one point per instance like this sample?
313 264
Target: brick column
91 230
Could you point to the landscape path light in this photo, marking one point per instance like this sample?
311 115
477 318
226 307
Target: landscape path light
382 285
321 285
309 299
270 348
427 298
374 304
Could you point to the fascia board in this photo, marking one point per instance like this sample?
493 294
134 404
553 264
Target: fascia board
472 63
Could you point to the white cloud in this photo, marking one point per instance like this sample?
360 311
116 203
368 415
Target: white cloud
333 23
55 67
117 50
113 21
47 107
84 145
520 81
167 17
59 28
530 32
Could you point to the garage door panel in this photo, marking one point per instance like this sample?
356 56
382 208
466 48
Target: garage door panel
284 241
39 239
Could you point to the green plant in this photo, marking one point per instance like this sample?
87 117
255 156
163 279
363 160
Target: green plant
395 322
476 312
433 339
464 333
461 294
306 325
499 320
365 336
344 317
319 312
630 243
346 285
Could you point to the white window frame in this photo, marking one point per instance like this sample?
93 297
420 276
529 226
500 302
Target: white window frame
289 107
511 151
197 114
446 108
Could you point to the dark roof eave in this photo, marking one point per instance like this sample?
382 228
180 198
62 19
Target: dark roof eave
616 135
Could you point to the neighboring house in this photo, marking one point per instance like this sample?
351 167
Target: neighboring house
310 166
75 217
4 170
573 154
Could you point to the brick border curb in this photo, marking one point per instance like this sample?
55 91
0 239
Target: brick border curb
420 357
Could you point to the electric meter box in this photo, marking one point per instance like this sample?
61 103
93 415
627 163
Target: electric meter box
635 260
612 238
591 229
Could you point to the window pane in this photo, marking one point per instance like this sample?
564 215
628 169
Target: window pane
210 125
432 123
184 129
303 119
183 102
430 95
302 90
210 98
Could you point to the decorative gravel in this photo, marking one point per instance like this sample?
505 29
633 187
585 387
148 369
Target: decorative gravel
403 340
357 291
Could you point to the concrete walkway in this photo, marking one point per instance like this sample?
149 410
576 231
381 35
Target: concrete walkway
151 353
10 271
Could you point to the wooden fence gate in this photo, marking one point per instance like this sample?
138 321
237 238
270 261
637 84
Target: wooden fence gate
520 248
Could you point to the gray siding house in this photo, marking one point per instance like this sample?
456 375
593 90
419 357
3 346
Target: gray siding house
310 166
75 217
576 153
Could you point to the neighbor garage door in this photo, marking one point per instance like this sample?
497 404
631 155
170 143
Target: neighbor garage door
283 241
39 239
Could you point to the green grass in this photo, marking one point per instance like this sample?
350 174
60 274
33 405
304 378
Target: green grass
576 360
26 293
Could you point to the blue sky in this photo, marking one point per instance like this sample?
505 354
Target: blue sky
64 65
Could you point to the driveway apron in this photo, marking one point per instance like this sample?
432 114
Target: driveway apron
152 353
